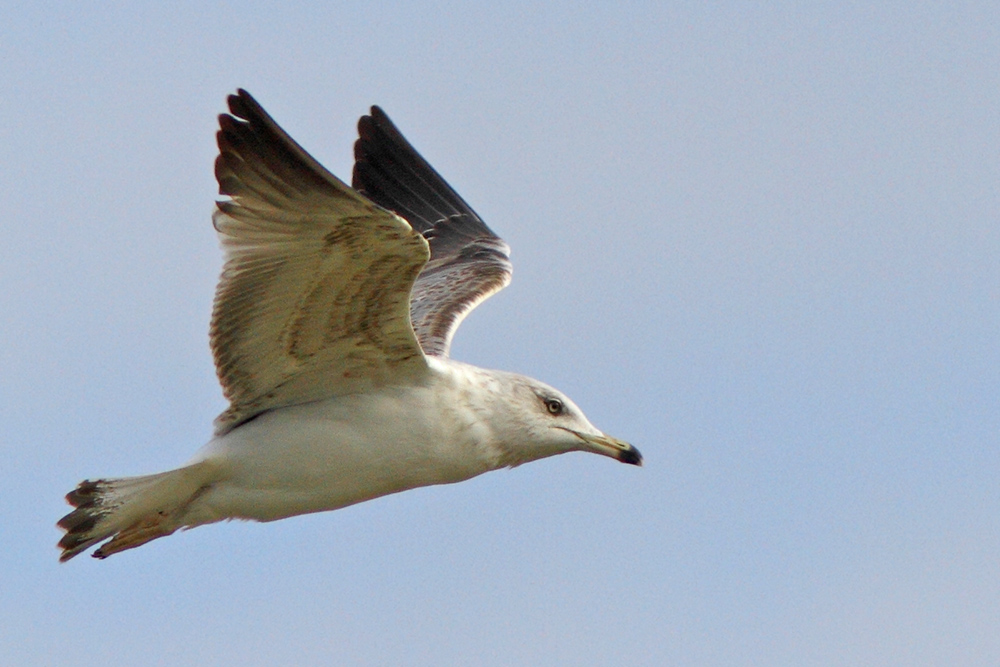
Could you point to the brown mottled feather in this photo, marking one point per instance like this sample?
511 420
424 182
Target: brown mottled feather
468 264
314 296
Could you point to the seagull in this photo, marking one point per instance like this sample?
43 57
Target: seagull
330 331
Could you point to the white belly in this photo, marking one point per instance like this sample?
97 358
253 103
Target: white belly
328 454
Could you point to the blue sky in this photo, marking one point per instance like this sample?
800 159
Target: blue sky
761 243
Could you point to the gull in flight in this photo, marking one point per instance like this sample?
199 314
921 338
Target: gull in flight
330 330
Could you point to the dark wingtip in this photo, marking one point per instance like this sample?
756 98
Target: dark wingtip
241 101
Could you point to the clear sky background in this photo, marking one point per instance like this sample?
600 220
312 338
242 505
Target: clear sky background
761 243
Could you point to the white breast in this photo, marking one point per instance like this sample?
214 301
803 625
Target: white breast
327 454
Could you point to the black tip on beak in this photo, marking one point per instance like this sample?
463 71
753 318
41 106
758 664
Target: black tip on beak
631 456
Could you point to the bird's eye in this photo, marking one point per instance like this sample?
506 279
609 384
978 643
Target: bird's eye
554 406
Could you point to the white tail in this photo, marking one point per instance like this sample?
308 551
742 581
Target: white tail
130 510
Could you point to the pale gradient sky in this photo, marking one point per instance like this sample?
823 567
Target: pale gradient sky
760 243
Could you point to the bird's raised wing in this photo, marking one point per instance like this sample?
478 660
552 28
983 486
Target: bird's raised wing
468 261
314 296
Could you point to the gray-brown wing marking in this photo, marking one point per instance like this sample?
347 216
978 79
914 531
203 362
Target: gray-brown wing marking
314 296
468 262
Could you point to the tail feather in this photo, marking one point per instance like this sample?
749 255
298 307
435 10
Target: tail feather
129 510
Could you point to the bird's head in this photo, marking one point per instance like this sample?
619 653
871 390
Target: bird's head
544 422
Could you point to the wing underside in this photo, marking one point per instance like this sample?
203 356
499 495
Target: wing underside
468 263
314 296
